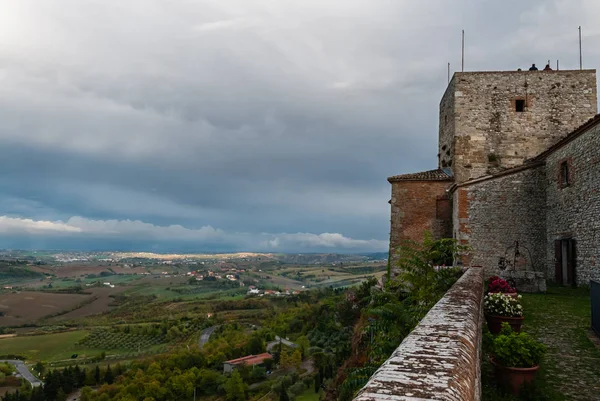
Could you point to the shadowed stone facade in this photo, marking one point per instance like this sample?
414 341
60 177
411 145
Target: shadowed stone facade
521 155
573 208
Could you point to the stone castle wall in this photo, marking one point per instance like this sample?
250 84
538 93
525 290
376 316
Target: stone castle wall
574 209
491 135
501 215
416 207
447 130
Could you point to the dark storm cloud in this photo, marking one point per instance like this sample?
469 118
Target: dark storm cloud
239 125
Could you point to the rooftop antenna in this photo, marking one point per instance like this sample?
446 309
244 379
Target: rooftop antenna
448 72
557 65
463 50
580 57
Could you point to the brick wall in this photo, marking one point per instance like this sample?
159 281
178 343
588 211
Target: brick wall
441 358
416 207
574 209
478 109
493 214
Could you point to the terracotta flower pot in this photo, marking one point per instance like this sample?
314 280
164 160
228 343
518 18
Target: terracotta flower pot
495 323
514 378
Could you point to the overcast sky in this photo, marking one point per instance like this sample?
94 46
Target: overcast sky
225 125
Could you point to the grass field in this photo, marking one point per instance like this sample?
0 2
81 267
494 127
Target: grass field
48 347
308 395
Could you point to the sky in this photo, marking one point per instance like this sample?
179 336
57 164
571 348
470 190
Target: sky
236 125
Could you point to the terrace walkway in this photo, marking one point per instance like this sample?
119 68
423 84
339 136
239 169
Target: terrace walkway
571 369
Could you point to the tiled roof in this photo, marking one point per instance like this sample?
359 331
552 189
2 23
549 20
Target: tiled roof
251 359
431 175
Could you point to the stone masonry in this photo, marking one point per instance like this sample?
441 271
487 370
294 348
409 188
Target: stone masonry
518 176
503 218
482 132
573 210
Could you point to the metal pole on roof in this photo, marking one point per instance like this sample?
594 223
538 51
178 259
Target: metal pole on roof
463 51
556 64
448 72
580 56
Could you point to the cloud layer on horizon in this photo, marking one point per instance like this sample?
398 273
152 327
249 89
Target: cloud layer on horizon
188 238
256 117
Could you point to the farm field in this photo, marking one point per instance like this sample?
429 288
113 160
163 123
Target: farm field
102 303
30 306
76 270
294 277
61 346
47 347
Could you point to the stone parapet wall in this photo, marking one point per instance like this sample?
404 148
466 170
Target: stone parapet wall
441 358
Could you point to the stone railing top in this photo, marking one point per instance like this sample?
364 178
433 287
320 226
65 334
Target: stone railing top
440 358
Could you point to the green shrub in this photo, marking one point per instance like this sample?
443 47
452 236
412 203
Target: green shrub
517 350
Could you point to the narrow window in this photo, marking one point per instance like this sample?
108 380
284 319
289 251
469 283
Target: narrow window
520 105
564 174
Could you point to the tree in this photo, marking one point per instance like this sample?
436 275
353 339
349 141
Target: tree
255 346
419 278
317 382
97 374
285 360
296 359
234 388
108 376
173 333
283 395
39 367
60 395
304 345
268 363
85 393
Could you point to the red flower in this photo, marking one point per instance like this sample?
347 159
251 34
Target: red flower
496 284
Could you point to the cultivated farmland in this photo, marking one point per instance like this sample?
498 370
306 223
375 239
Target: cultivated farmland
29 306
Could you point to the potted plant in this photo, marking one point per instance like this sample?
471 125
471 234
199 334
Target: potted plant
499 308
516 358
496 284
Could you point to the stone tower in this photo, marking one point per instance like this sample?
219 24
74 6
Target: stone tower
490 121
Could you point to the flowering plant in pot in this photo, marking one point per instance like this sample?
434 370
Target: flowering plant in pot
516 358
499 308
496 284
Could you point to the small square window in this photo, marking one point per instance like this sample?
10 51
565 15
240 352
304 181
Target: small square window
564 174
520 105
